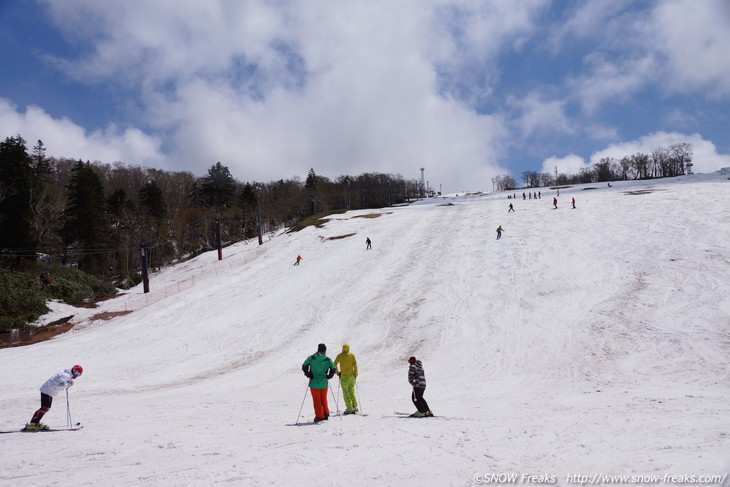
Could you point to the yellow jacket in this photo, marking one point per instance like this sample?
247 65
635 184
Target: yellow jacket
347 361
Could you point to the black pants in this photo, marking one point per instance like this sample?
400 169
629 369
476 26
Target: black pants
418 400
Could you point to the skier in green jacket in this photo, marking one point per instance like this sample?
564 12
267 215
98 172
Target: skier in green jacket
319 368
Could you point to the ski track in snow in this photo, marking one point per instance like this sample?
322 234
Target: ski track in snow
592 340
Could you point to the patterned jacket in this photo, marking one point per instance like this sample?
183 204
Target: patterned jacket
416 375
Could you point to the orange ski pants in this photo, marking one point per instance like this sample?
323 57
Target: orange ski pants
319 397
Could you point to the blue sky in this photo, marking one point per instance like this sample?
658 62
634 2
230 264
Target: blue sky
467 89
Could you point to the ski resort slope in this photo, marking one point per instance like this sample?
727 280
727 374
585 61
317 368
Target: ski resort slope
587 341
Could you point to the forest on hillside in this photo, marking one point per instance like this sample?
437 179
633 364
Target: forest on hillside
98 217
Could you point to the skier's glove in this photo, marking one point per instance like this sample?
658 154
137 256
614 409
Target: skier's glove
309 375
338 374
331 374
69 383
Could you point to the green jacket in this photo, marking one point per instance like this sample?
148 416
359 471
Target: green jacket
322 367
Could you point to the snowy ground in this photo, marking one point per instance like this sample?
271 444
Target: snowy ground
588 341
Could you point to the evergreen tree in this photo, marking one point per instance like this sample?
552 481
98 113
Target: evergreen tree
85 224
41 164
218 187
151 199
16 216
311 182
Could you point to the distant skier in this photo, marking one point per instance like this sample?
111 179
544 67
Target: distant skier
574 203
49 389
511 208
299 259
555 203
319 368
417 379
499 232
348 376
368 244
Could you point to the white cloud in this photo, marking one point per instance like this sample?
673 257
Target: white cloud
570 164
63 138
694 38
272 89
539 116
611 80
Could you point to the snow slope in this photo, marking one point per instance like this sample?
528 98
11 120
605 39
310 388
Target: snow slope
586 341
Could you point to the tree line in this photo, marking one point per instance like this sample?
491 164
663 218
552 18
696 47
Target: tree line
99 216
663 162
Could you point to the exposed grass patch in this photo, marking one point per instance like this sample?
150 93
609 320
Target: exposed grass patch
642 191
317 220
108 315
373 215
340 236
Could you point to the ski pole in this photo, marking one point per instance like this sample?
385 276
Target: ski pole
68 411
358 396
302 406
337 399
338 408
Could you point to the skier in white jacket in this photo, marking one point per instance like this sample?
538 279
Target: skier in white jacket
54 385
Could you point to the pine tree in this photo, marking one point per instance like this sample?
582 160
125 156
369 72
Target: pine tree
218 187
85 224
16 216
151 199
41 164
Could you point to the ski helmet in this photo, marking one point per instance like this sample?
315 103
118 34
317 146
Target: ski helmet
77 370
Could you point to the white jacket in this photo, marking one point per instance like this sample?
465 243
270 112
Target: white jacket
57 383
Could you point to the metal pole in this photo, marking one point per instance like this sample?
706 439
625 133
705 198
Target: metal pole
258 215
68 412
359 402
338 408
218 238
302 406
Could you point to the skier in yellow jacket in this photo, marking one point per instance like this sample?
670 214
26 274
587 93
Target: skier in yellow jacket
348 374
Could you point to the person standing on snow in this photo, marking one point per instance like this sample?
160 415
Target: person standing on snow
299 259
319 368
417 379
59 382
555 203
574 203
348 376
499 231
368 244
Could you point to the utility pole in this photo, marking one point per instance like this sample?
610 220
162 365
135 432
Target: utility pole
348 191
145 276
258 213
218 238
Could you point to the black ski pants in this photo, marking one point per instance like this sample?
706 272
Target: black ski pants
418 400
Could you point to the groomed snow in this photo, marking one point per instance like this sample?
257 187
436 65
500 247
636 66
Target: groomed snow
586 341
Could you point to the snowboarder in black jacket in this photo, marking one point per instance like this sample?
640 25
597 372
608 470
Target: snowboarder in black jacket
417 379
